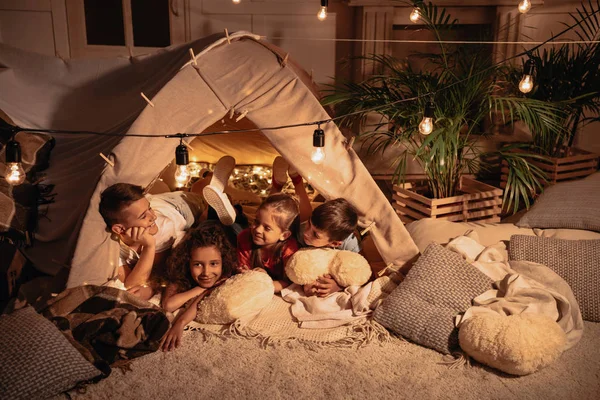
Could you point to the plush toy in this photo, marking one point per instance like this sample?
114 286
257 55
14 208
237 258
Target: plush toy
518 344
346 267
241 295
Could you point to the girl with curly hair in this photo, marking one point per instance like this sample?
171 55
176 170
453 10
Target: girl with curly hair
202 261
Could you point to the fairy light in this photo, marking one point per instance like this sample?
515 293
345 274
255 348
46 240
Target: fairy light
182 175
415 15
426 125
322 14
524 6
526 84
15 175
236 1
318 153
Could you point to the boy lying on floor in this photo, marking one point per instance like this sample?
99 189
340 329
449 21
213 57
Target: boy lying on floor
147 226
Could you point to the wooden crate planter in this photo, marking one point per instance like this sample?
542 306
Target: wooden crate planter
479 202
578 164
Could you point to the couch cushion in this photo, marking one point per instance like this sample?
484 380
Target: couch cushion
576 261
430 230
422 308
572 205
37 360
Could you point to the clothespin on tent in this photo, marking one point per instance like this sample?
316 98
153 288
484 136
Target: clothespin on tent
231 112
193 57
112 164
147 99
367 229
227 36
242 115
350 143
285 60
390 265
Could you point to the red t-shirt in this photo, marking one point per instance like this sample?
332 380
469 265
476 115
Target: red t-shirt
273 266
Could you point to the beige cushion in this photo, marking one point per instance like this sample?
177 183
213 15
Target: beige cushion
572 205
571 234
429 230
422 308
576 261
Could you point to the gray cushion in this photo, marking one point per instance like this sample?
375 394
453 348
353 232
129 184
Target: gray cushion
573 205
576 261
422 308
37 361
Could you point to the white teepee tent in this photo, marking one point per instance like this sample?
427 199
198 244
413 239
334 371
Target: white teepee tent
240 73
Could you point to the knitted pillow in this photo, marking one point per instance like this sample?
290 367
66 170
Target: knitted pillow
422 308
576 261
37 360
573 205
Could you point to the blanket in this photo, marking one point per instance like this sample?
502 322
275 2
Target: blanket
107 325
335 310
520 287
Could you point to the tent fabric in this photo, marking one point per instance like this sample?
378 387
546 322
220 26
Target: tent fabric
247 75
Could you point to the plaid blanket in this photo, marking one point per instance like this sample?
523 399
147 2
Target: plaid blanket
107 325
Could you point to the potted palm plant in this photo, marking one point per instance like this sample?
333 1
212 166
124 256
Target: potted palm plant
569 77
458 88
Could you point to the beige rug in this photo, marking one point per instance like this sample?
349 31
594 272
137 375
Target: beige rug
206 367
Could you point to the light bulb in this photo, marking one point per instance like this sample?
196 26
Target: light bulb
318 155
524 6
526 84
182 175
15 174
426 126
415 15
236 1
322 14
194 169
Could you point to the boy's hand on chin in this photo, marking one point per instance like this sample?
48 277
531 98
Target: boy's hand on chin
140 235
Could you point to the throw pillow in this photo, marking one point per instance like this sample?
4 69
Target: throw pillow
37 360
576 261
571 205
422 308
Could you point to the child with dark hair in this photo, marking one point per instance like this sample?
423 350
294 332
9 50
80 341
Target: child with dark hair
146 227
270 242
202 261
332 224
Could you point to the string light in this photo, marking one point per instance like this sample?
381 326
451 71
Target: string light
526 83
426 125
182 175
318 154
524 6
322 14
415 15
15 175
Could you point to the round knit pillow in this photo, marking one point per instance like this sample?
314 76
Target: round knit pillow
306 265
515 344
350 269
241 295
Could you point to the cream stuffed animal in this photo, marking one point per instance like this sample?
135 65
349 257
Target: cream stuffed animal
346 267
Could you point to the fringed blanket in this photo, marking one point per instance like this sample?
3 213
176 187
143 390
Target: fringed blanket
520 287
275 325
107 325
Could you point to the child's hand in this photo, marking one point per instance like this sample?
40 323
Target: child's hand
242 268
140 235
310 289
326 285
172 339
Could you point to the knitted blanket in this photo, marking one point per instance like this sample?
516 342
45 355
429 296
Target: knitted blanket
107 325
